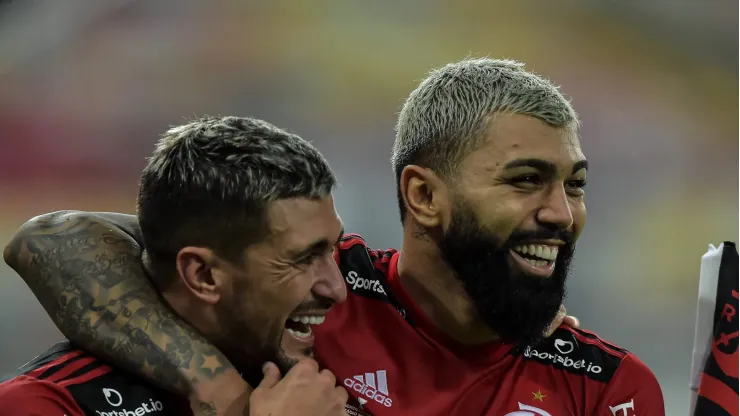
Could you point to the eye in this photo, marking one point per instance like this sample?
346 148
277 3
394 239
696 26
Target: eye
576 186
527 180
577 183
310 258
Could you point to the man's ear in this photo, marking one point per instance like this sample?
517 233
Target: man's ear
425 195
195 267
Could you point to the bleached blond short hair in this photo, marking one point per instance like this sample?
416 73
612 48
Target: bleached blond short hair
445 117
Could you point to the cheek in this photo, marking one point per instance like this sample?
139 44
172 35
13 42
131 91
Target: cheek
505 213
267 306
295 292
578 210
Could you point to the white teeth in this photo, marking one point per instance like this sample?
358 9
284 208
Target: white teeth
545 252
308 320
539 263
299 334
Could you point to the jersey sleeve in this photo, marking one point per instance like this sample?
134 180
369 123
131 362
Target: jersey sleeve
26 396
634 390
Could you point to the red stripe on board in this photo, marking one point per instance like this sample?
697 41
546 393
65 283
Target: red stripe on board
718 392
36 373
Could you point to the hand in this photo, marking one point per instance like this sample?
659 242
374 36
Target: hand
304 391
225 395
562 318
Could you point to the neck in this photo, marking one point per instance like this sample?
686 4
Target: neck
435 288
204 317
179 299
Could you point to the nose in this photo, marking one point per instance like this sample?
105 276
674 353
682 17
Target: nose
555 210
329 281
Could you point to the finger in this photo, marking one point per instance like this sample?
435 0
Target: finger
572 321
306 367
308 364
329 377
271 375
342 394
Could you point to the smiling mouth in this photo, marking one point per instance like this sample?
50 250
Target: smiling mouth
536 259
300 326
537 254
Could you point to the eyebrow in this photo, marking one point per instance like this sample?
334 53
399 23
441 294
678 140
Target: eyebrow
318 245
543 165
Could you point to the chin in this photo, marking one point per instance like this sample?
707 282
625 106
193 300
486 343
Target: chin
291 351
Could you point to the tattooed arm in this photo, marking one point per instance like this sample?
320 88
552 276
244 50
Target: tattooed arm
85 269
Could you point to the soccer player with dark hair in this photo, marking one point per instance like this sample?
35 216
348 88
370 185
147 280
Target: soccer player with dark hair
490 183
213 188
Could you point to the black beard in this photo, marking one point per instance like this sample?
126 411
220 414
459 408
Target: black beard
517 307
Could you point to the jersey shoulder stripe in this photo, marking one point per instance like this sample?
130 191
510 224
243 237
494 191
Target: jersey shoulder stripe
587 335
350 239
45 365
577 352
365 270
62 364
379 258
81 380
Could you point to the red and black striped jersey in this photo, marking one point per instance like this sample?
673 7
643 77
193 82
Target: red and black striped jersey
65 381
395 362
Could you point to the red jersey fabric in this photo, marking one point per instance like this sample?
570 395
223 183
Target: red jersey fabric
394 362
65 381
26 396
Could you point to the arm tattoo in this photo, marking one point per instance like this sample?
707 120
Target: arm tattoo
88 276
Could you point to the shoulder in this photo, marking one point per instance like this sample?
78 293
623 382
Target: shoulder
64 365
365 270
579 352
67 376
47 383
28 396
617 378
352 247
627 363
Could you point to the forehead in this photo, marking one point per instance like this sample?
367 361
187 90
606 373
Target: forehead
517 136
301 221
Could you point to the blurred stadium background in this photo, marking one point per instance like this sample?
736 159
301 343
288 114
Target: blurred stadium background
87 85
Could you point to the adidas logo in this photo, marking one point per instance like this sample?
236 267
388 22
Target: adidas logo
373 386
